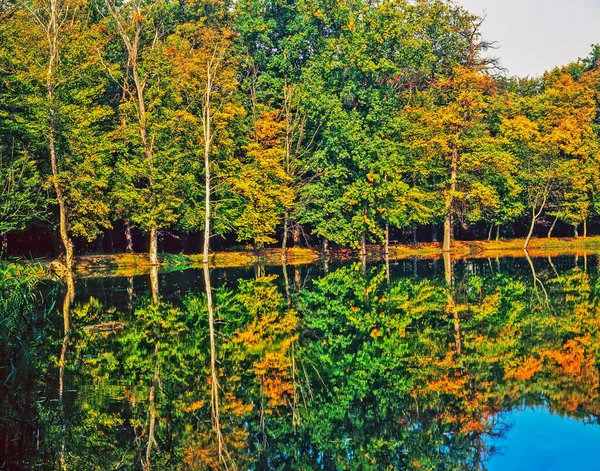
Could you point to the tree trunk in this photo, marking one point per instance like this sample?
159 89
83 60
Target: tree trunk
363 237
130 294
585 228
296 235
128 236
207 136
3 246
100 244
451 303
68 299
498 232
414 236
297 279
154 286
434 233
386 246
531 227
552 227
213 363
325 245
536 280
153 246
285 237
53 37
286 280
490 232
132 45
450 202
447 234
386 252
152 413
363 244
575 232
363 251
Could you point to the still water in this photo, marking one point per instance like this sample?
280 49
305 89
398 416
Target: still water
479 364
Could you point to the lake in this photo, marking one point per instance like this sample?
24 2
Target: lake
435 364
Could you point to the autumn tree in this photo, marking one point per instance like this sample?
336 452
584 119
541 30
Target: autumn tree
551 136
205 66
149 181
453 135
63 101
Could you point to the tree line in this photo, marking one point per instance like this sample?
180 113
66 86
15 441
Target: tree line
267 120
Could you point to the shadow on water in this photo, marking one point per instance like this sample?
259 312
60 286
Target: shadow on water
413 364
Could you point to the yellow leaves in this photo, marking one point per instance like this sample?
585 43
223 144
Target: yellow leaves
484 197
194 406
519 129
235 407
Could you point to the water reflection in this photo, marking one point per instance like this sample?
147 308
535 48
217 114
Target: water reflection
413 366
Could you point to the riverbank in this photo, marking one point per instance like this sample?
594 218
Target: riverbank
501 248
131 264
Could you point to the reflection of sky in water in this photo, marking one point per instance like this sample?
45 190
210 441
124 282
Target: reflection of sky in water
541 441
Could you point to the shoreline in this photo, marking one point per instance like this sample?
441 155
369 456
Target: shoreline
128 264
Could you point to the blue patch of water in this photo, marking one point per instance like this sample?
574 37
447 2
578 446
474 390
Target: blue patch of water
539 440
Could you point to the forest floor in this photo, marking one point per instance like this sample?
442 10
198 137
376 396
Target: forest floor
128 264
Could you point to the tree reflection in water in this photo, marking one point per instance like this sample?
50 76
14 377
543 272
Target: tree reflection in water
392 367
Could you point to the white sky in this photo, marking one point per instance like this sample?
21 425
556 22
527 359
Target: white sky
537 35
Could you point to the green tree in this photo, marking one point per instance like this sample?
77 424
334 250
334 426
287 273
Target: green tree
22 200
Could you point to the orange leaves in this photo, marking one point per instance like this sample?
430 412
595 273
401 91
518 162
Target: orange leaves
473 426
268 342
276 390
269 128
525 370
572 358
448 385
375 333
202 450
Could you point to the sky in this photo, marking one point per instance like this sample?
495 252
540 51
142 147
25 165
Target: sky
537 35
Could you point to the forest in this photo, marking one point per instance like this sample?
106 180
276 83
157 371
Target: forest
151 125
